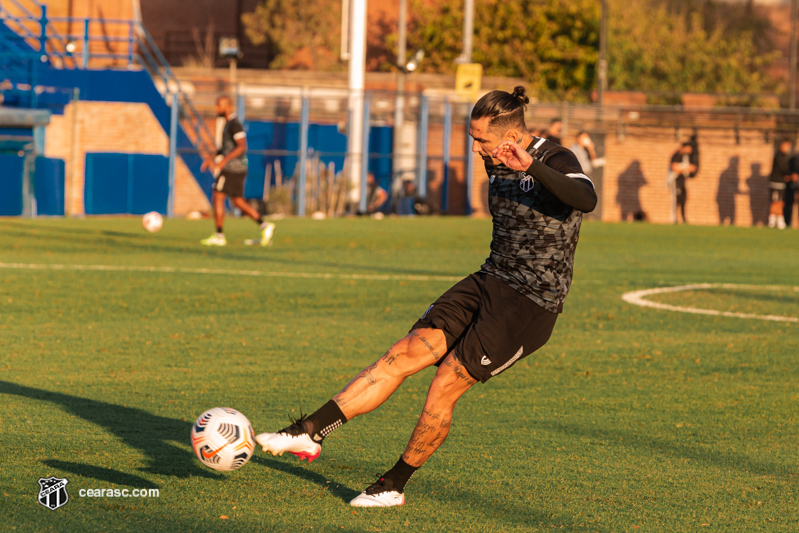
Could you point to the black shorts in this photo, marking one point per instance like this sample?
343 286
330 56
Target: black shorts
488 325
230 183
776 195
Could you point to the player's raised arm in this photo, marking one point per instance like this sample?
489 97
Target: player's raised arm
574 192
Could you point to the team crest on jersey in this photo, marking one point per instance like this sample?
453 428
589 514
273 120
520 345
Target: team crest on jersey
527 183
53 492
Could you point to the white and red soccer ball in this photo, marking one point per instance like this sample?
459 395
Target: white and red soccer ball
152 221
223 439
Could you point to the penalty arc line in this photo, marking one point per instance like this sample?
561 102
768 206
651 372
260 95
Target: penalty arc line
213 271
639 298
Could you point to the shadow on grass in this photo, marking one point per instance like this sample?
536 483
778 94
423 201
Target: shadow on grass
335 488
498 508
151 434
100 473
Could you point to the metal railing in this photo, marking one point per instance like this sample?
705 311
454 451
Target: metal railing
99 43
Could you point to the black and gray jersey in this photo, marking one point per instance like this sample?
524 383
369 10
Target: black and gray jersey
535 234
228 131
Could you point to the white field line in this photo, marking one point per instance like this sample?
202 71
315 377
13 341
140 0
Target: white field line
212 271
639 298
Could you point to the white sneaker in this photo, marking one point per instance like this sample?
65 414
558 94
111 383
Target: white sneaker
781 223
214 240
293 439
266 234
381 493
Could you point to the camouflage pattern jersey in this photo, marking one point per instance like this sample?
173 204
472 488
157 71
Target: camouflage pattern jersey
535 234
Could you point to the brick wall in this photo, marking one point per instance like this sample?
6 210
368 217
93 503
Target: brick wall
730 188
113 127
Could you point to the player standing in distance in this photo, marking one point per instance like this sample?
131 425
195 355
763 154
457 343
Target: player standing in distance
680 168
488 321
229 167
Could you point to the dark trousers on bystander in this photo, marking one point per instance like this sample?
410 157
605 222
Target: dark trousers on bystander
790 193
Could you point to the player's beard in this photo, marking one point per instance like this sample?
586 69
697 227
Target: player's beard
490 160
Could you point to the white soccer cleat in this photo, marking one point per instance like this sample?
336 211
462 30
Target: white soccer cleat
214 240
293 439
381 493
266 234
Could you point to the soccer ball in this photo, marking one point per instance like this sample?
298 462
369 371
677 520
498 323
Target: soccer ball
223 439
152 221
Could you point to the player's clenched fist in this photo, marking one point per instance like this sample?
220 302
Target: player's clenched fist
513 156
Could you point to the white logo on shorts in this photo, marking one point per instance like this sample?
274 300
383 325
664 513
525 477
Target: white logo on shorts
510 362
485 361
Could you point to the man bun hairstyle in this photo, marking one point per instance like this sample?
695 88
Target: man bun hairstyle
520 93
504 110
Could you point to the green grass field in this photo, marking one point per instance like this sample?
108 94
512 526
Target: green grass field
630 419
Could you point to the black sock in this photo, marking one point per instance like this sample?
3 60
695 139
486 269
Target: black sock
219 229
325 420
400 473
260 220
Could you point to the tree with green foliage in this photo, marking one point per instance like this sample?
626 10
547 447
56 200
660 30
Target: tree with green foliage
551 43
659 49
663 47
301 34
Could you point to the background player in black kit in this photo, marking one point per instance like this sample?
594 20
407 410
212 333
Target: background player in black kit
229 167
488 321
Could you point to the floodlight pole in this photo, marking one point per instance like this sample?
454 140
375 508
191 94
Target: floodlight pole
602 70
399 102
356 85
468 32
173 152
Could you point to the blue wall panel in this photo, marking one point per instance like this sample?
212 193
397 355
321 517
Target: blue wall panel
49 186
106 184
126 183
150 184
11 167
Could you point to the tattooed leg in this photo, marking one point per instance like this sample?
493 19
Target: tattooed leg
451 381
377 382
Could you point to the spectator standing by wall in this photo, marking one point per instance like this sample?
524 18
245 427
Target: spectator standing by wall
680 168
778 182
554 131
585 151
791 187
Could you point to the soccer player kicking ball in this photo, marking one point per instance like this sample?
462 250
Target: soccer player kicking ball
488 321
229 168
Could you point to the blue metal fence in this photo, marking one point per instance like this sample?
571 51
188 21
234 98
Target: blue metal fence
125 183
47 180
